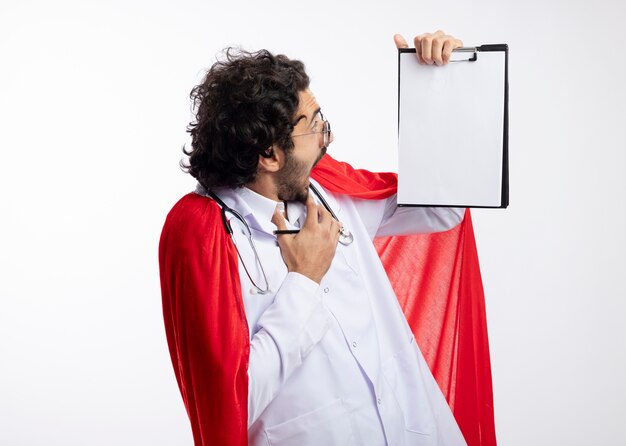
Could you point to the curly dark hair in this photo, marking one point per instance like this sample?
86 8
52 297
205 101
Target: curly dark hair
245 104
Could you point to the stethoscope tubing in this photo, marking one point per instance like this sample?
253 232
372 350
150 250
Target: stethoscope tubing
345 237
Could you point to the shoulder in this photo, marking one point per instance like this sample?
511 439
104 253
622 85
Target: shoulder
192 219
332 198
193 208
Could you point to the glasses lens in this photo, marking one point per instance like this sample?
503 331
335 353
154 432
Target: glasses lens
326 133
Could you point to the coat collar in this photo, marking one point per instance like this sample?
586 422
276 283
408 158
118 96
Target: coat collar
258 210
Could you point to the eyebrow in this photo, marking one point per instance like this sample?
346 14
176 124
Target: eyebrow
304 116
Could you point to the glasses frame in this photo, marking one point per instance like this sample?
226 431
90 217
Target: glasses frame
326 130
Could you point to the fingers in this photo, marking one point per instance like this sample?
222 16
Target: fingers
399 41
448 46
336 230
328 222
279 220
435 48
311 212
319 218
417 41
323 215
423 45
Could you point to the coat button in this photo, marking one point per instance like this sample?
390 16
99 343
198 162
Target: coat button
354 344
326 290
379 401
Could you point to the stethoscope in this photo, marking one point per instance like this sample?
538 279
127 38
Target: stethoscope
345 236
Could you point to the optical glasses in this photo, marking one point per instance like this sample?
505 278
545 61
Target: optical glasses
325 131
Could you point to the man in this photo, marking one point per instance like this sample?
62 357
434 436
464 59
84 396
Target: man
295 337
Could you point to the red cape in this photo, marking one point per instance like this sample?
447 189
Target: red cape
436 278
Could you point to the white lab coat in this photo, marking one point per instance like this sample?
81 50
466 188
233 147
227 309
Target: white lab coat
336 363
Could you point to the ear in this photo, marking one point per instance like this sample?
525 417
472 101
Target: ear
272 160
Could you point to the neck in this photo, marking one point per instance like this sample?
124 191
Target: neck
264 185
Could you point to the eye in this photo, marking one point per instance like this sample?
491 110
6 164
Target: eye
316 121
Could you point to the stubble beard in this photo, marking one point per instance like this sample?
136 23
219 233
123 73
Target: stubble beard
292 181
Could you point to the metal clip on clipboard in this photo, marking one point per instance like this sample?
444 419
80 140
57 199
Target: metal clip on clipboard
466 49
476 49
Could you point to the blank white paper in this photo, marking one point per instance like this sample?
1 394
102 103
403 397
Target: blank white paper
450 138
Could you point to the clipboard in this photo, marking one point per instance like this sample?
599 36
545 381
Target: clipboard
453 129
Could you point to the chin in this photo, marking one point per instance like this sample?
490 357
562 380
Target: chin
319 158
295 194
303 196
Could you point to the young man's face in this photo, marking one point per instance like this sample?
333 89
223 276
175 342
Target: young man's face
293 179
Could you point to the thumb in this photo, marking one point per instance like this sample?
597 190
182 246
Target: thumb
312 214
279 220
399 41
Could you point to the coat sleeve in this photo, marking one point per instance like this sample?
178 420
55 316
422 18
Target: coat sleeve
374 195
417 220
205 323
383 218
288 331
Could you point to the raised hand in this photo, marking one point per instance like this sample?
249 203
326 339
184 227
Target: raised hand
431 47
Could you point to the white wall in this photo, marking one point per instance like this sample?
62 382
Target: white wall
93 109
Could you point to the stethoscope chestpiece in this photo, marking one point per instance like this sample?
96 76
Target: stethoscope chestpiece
345 237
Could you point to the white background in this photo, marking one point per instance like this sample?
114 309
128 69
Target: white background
93 108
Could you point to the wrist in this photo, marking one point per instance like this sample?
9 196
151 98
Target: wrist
309 274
